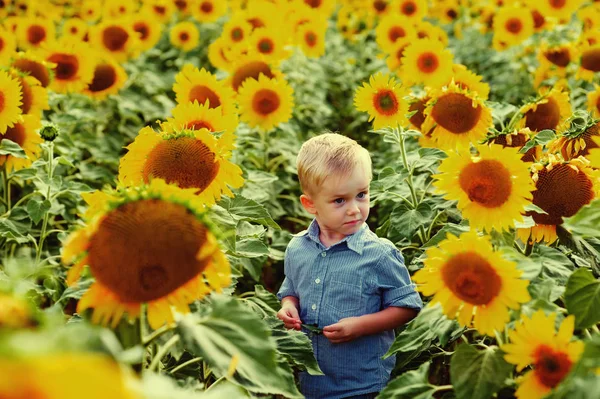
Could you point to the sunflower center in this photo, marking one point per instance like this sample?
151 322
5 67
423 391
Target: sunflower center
310 38
557 3
142 29
104 77
408 8
395 33
265 102
184 36
313 3
427 62
551 366
561 192
452 14
181 4
266 46
471 278
145 250
256 23
35 69
558 57
16 133
237 34
385 102
380 5
160 10
36 34
251 70
486 182
74 30
67 66
206 7
455 113
198 124
419 117
202 93
114 38
590 60
184 160
538 19
546 116
514 25
27 97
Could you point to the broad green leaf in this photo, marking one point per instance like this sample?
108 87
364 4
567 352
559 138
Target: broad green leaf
554 263
477 374
413 384
405 221
251 248
9 147
231 330
37 209
454 229
586 222
582 298
241 208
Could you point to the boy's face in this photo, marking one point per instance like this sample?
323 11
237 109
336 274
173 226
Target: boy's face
341 205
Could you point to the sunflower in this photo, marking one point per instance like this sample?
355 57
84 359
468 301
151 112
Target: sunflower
15 313
23 132
192 159
259 13
146 244
492 188
590 16
589 62
552 354
74 65
66 376
472 282
426 61
90 11
195 116
353 22
512 25
109 77
562 189
382 99
115 38
395 57
574 140
8 46
413 9
466 79
184 7
445 11
517 139
12 23
426 30
455 117
548 111
417 105
115 9
209 10
11 100
265 102
270 43
310 37
184 35
219 54
147 28
392 29
251 66
380 8
593 101
32 32
192 84
75 28
560 9
35 66
324 7
553 60
159 10
236 30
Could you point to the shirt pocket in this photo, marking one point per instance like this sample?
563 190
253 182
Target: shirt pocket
343 299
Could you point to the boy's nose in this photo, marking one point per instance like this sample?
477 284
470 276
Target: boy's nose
353 209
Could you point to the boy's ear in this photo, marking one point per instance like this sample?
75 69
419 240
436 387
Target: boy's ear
308 204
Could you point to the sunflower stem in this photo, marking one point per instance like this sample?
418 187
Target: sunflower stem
148 339
47 214
428 235
162 352
444 388
6 186
512 121
182 365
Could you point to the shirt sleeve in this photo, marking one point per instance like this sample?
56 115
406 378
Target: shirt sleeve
287 287
394 282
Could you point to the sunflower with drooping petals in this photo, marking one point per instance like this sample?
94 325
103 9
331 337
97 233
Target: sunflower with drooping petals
512 25
8 46
589 61
208 10
195 116
34 65
310 37
562 189
535 342
74 65
149 244
109 77
192 85
236 30
415 10
468 80
270 43
33 32
148 30
191 159
575 137
24 133
560 9
75 28
10 93
184 35
427 61
392 29
548 111
492 188
115 38
265 102
517 139
472 282
251 66
382 99
456 117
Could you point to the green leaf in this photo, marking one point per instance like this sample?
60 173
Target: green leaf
535 208
9 147
37 209
582 298
554 263
477 374
251 248
410 385
586 222
241 208
541 138
405 221
233 330
454 229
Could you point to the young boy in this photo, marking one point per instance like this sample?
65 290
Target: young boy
342 277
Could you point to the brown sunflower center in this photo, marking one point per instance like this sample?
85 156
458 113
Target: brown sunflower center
16 133
36 34
313 3
206 7
202 93
256 22
455 113
451 13
27 97
590 60
160 10
546 116
561 192
419 117
237 34
385 102
181 4
395 33
408 8
67 66
538 19
250 70
104 77
486 182
428 62
559 57
114 38
143 29
310 38
516 140
266 46
74 30
198 124
265 102
557 3
184 36
380 5
471 278
514 25
551 366
145 250
184 160
35 69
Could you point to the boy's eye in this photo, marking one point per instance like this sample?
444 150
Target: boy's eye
338 200
362 195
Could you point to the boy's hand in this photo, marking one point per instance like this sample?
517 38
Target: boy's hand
344 330
290 317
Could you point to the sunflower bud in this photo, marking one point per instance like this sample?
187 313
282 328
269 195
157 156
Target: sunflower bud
49 132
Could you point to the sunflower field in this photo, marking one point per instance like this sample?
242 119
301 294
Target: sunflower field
149 189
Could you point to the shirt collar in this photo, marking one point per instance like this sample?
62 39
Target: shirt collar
354 241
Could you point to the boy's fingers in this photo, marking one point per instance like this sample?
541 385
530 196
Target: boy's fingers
331 328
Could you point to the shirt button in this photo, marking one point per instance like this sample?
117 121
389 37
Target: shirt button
323 254
318 280
314 307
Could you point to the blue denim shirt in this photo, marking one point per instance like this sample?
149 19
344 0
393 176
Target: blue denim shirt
359 275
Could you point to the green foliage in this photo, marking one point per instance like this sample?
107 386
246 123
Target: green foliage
582 298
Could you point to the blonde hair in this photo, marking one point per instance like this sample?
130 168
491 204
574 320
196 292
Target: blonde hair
328 154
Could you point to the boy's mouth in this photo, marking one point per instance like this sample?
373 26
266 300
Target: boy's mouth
352 223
